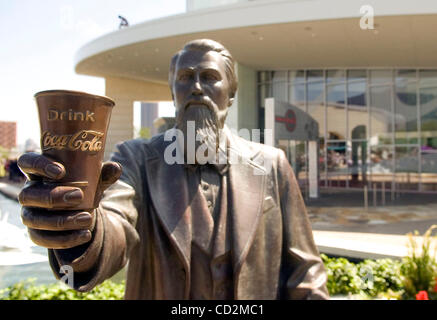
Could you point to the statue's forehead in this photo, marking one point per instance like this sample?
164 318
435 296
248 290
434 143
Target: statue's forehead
193 59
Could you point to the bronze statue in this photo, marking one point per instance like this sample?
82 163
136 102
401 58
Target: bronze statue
190 229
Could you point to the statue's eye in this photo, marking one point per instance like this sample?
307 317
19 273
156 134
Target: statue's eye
210 77
184 77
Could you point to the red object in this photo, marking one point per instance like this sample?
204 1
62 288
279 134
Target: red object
435 286
422 295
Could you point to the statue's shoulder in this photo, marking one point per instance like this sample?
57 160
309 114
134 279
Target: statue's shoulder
252 148
141 147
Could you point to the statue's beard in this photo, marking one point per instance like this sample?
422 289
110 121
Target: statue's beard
207 124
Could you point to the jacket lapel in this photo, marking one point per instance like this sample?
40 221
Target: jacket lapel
247 189
169 194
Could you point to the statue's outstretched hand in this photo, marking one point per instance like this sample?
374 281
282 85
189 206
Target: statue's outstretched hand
48 210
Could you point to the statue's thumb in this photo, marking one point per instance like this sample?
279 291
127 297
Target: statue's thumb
110 173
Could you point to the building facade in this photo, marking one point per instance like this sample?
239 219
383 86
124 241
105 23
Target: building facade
8 134
366 71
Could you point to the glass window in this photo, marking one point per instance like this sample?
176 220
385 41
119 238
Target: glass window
380 115
357 160
336 94
336 163
407 168
380 76
315 92
405 75
357 115
335 76
356 94
280 76
315 105
336 111
297 95
428 177
381 165
265 76
297 76
406 113
264 91
315 75
428 118
280 91
353 75
428 78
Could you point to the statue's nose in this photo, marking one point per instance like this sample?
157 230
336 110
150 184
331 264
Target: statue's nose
197 88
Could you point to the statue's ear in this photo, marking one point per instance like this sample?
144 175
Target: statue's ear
231 101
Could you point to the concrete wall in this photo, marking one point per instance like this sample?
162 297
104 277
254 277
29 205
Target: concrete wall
125 92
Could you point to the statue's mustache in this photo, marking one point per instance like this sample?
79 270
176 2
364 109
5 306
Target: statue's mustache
199 102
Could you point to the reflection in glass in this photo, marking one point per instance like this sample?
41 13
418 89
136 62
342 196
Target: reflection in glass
297 76
264 91
406 113
357 110
280 76
314 75
279 90
404 75
316 108
356 74
357 163
428 78
428 164
428 118
296 155
381 166
265 76
336 163
356 95
335 76
380 115
335 110
378 130
297 95
407 168
380 76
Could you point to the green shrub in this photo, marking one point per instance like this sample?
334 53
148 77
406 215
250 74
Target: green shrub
419 268
369 278
27 290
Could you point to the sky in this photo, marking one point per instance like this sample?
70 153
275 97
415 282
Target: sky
39 40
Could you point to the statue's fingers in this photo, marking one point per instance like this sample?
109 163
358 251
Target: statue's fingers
59 239
50 197
38 165
110 173
41 219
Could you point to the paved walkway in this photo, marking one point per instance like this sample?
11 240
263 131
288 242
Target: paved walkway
350 230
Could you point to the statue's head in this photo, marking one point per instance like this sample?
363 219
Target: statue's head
202 75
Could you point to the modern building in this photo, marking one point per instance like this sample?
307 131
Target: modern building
365 71
8 134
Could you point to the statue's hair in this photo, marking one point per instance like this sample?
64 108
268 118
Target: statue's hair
206 45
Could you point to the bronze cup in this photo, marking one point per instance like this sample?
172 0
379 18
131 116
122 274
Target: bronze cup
73 132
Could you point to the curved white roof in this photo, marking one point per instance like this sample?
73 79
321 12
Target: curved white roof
274 35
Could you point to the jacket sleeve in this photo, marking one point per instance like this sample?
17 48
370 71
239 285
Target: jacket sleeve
114 233
304 270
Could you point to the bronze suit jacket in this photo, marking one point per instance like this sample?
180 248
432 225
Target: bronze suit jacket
144 218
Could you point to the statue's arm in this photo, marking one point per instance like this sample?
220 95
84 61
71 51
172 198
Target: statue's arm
304 269
114 234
